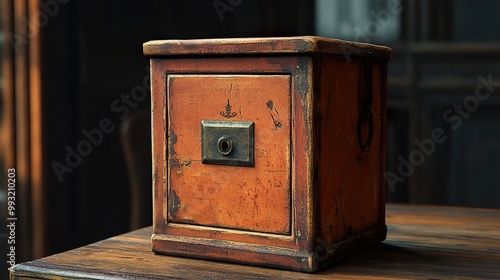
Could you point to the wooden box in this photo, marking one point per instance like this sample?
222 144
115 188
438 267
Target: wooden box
268 151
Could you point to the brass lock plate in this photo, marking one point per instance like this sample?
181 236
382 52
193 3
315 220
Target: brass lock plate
227 143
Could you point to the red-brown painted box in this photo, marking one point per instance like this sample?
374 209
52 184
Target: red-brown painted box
268 151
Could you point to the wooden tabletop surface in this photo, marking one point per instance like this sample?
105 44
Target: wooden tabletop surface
423 242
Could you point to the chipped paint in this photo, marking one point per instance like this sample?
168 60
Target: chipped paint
277 124
175 203
172 139
306 217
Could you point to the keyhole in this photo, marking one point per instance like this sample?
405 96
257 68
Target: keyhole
225 146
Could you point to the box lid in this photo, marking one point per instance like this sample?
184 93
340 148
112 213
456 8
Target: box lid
275 45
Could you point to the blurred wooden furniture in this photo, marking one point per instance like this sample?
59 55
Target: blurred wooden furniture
136 135
423 242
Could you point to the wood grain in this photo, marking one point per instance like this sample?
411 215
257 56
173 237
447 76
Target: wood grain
349 181
230 196
309 185
423 242
277 45
290 102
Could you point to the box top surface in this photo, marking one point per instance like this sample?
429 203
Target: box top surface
255 46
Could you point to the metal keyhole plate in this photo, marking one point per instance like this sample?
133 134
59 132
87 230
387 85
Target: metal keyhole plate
227 143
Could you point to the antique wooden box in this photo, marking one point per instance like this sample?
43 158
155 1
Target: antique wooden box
268 151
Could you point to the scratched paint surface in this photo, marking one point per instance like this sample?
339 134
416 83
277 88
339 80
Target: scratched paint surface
248 198
349 196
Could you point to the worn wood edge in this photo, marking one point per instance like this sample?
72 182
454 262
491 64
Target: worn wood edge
36 269
33 269
235 231
351 246
271 45
233 252
267 256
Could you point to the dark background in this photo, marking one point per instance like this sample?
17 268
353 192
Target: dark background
89 53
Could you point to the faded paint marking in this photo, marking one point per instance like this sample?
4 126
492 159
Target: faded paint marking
277 123
179 164
270 105
172 140
185 163
239 103
175 204
262 151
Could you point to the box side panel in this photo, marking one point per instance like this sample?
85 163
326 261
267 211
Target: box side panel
348 179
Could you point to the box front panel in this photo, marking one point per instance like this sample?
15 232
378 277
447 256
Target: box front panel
252 196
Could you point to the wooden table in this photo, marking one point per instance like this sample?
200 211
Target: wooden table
423 242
